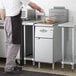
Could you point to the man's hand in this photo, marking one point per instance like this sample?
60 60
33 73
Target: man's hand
2 14
40 9
36 7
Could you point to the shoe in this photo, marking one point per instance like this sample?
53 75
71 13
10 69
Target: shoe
16 70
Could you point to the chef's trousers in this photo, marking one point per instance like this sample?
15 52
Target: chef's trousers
12 49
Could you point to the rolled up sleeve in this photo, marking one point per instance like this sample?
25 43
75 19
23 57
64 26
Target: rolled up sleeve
25 2
1 5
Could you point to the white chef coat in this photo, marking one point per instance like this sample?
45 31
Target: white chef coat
12 7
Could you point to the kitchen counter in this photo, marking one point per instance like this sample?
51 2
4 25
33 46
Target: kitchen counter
2 41
30 22
67 24
23 23
37 23
45 25
71 60
1 24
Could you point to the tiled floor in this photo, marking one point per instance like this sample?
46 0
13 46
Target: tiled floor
48 68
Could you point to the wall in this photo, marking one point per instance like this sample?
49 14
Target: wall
69 4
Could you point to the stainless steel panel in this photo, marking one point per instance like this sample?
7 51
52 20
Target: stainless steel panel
43 53
46 32
2 43
59 15
31 14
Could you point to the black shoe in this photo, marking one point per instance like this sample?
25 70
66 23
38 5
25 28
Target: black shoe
16 70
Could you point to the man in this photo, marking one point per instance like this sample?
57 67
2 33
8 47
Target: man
10 12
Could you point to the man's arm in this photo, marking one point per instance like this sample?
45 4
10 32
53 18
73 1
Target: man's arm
32 5
2 14
35 6
2 11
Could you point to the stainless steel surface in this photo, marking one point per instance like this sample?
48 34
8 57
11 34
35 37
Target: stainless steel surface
73 53
50 53
2 42
38 64
31 14
43 53
31 56
40 16
69 60
25 42
59 14
62 47
53 66
40 24
24 23
33 45
44 32
1 23
67 24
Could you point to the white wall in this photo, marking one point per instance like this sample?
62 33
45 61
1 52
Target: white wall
69 4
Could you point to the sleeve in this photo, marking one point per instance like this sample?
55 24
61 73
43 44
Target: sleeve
1 5
25 2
